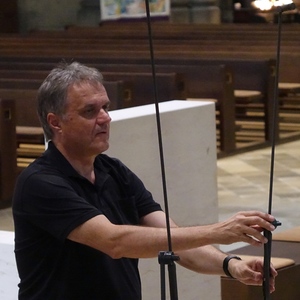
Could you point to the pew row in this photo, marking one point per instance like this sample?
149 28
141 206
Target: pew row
8 155
249 75
209 82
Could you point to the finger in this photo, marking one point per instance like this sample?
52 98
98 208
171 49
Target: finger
273 272
255 222
272 285
254 279
257 228
254 241
255 236
265 216
260 224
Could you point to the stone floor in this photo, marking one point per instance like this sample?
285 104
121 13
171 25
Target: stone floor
243 184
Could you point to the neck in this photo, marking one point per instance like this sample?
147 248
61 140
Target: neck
84 168
84 165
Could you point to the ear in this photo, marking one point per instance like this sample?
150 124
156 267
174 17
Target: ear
54 122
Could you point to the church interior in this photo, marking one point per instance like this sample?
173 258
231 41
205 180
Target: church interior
241 57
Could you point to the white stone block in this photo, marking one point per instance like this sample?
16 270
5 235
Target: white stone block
189 144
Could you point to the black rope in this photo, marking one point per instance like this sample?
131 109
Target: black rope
158 123
164 257
268 234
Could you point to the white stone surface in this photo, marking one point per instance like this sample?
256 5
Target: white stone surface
9 278
188 129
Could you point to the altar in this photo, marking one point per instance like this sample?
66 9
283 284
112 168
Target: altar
189 143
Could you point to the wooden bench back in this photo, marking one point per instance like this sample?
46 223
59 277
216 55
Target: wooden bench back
8 156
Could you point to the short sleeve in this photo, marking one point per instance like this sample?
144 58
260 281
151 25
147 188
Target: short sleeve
49 202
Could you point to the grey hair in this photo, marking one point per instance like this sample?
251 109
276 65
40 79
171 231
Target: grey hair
52 94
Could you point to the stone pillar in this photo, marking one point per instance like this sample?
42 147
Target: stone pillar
47 14
226 7
89 13
195 11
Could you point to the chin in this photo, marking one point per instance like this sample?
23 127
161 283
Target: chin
103 147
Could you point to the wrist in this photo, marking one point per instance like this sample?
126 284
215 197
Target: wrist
226 263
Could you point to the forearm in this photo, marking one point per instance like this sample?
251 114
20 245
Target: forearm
205 259
145 242
138 241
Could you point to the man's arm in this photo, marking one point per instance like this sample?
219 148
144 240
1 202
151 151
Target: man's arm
206 259
209 260
137 241
145 241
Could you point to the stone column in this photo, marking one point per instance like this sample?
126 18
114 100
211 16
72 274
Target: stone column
195 11
226 7
47 14
89 13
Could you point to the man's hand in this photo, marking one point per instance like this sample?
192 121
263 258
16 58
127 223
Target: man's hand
250 272
245 226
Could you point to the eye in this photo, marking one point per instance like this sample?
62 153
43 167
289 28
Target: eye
89 112
106 107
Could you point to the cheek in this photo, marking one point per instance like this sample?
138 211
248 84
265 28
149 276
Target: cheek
78 128
74 129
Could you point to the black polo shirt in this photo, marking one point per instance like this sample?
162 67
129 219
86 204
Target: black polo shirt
50 200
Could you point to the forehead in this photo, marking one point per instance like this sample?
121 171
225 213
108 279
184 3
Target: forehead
84 87
83 92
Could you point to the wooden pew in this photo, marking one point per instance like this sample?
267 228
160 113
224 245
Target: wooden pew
183 45
137 92
80 42
191 47
169 30
29 140
202 82
170 86
138 86
8 156
250 75
260 80
258 77
25 92
287 285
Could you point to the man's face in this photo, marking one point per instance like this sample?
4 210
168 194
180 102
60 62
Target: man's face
85 124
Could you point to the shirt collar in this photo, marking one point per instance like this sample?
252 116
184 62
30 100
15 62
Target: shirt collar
57 158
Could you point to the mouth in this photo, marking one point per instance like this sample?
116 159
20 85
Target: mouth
103 131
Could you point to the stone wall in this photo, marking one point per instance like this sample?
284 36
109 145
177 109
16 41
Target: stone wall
56 15
195 11
47 14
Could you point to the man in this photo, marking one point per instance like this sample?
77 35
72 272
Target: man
82 219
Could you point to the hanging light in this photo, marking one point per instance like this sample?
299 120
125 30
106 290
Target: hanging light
269 4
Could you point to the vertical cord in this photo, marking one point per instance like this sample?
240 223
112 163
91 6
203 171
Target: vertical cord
275 109
163 257
268 234
160 143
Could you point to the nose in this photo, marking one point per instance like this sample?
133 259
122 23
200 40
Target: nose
103 116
